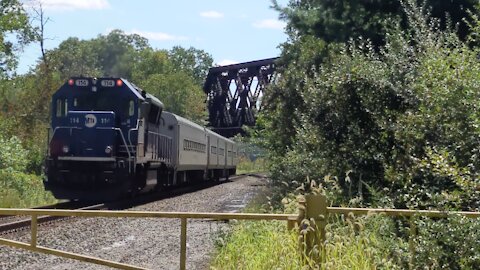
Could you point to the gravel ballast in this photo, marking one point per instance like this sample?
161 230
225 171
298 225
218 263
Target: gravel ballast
150 243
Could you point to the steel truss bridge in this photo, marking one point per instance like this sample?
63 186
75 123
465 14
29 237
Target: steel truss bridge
234 94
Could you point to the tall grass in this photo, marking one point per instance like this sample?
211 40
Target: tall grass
351 243
245 165
259 245
270 245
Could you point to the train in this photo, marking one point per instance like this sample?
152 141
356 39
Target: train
110 139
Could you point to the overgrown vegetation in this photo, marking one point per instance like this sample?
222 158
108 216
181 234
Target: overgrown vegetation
382 114
401 118
246 165
352 243
19 187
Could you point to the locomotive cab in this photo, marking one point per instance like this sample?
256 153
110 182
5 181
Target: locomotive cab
94 140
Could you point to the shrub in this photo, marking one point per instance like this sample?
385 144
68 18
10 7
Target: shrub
402 119
452 243
19 188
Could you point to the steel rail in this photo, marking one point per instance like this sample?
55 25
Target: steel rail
41 218
122 204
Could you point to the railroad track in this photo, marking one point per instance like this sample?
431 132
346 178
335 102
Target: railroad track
19 224
117 205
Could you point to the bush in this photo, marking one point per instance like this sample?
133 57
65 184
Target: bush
19 188
452 243
402 120
12 154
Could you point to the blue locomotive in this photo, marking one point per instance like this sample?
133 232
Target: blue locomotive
109 139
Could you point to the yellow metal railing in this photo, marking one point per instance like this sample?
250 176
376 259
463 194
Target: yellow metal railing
311 207
183 216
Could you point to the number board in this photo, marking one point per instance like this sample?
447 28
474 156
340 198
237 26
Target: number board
81 82
107 83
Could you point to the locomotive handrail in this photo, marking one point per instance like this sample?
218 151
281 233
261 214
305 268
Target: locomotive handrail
121 135
124 143
130 130
169 148
126 146
61 127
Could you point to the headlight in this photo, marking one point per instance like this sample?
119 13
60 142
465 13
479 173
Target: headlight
65 149
108 150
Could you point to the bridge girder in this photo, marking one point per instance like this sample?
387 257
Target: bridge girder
234 94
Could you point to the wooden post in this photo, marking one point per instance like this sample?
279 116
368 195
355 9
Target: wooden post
291 223
33 238
183 244
301 216
411 242
316 213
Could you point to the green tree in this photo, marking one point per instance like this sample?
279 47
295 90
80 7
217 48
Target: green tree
400 119
117 52
338 21
114 54
175 86
193 61
74 57
15 31
152 62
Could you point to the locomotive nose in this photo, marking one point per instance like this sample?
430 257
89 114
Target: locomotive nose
86 134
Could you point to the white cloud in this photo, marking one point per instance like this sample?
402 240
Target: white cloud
157 36
70 4
212 14
226 62
270 24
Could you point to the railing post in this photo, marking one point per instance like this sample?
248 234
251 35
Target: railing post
183 244
316 213
411 242
33 238
301 216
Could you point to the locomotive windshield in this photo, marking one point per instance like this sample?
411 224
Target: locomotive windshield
103 100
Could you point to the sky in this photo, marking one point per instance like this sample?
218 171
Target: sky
231 31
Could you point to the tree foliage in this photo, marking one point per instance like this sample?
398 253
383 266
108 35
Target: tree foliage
193 61
15 31
338 21
401 119
385 124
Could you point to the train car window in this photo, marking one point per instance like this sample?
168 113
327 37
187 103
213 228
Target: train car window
59 108
66 107
62 107
194 146
221 152
131 108
213 150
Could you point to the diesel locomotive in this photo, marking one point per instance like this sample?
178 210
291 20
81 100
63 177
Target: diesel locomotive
110 139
